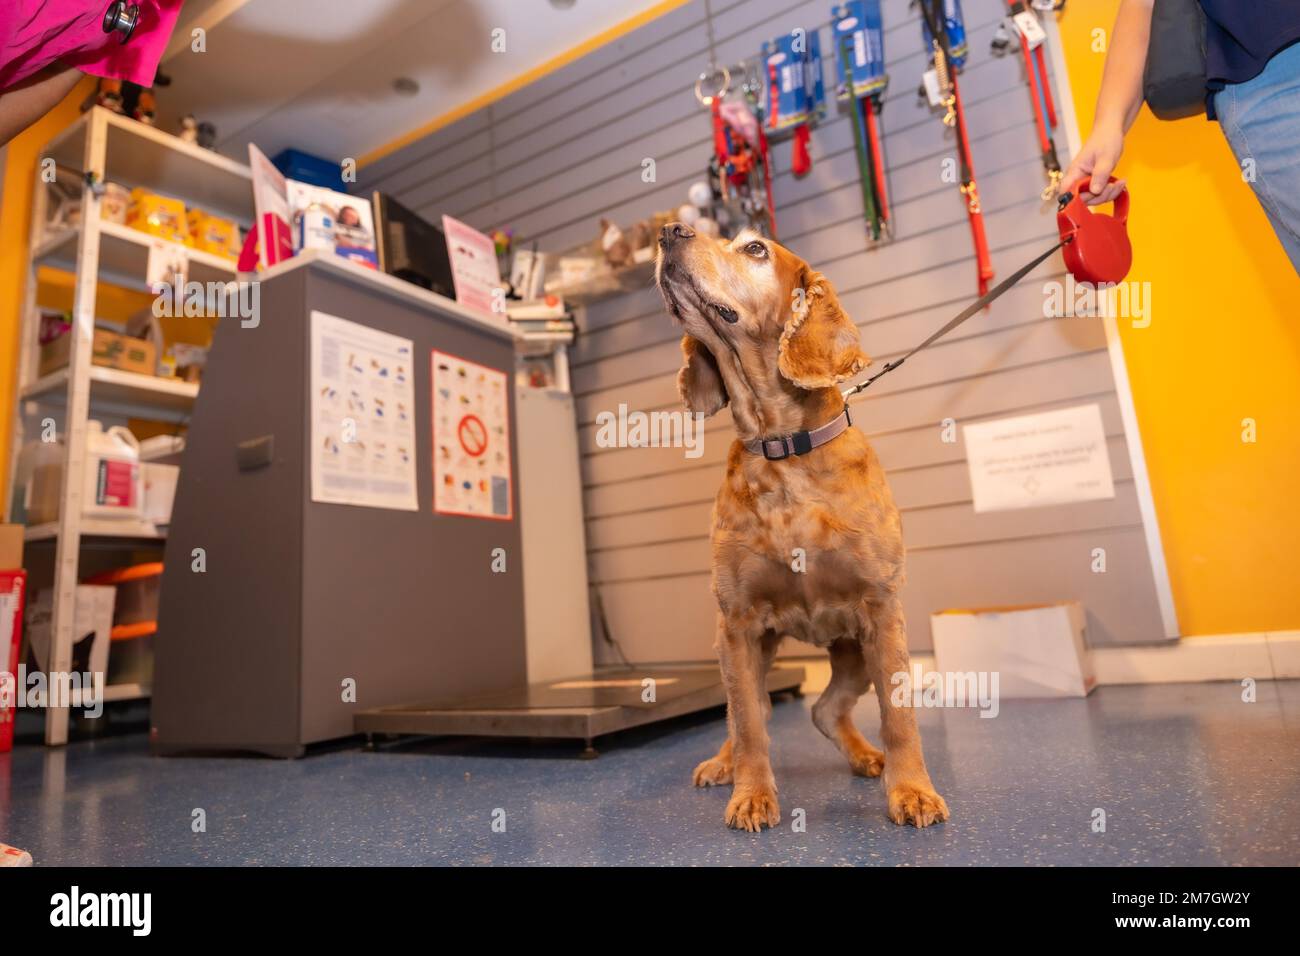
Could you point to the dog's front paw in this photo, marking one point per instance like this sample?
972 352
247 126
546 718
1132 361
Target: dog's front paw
752 807
714 772
916 804
866 760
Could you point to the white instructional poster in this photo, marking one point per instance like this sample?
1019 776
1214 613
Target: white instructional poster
1051 458
362 416
471 439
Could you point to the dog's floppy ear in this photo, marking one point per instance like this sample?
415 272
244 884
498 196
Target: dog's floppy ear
819 346
699 382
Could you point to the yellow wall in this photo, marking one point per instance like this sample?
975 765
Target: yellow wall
15 225
1223 345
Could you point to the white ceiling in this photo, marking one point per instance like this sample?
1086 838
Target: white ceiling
318 74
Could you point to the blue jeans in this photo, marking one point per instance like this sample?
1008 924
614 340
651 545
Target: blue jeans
1261 119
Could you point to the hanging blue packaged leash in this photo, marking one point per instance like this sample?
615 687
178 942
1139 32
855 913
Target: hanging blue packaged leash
955 28
858 30
795 97
859 25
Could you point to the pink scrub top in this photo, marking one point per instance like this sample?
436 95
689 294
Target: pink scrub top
37 33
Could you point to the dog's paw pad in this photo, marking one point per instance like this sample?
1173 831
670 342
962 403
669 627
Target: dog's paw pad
753 808
917 805
713 773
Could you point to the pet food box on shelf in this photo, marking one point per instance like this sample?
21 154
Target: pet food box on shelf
180 342
158 215
333 221
1037 650
109 349
215 234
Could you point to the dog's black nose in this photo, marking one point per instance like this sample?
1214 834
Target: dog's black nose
675 232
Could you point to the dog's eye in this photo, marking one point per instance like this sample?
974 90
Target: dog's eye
757 250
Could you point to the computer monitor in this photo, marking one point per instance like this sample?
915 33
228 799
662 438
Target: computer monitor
410 247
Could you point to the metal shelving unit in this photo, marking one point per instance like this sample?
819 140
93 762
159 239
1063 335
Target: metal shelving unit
119 150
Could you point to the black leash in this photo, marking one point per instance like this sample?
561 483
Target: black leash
981 303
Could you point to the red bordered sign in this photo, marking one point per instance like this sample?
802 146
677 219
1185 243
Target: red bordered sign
472 473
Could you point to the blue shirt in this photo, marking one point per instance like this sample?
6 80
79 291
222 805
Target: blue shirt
1241 36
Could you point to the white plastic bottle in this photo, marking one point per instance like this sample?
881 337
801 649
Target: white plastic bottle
114 483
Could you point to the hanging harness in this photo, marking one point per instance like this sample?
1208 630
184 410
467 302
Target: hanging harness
1096 250
741 164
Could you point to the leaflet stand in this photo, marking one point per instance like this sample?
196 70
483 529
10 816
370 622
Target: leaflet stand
281 616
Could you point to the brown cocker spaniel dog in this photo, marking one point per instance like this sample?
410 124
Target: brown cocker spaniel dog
806 539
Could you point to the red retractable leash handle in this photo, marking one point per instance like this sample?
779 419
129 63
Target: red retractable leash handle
1095 247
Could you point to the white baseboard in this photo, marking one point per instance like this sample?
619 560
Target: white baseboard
1264 655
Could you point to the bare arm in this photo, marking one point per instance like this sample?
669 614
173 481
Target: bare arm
1118 103
24 104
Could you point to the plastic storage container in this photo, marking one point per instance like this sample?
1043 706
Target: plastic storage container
114 485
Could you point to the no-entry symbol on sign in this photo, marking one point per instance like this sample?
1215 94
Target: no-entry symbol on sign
473 435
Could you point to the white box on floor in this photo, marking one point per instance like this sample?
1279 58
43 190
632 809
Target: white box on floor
92 624
1037 650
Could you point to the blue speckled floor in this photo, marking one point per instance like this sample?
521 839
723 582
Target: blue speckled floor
1187 774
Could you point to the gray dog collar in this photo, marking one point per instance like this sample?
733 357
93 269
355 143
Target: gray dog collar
799 443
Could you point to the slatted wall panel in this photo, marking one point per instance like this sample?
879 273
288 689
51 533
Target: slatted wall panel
554 157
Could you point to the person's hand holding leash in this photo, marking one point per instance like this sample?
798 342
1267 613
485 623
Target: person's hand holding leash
1097 159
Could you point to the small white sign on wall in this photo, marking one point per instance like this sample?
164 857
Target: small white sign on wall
1051 458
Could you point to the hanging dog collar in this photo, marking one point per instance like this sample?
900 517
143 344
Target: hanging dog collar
802 442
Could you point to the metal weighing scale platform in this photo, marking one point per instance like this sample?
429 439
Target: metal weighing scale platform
579 708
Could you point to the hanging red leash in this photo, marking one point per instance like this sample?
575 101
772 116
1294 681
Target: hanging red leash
765 155
1024 23
970 190
1096 250
949 96
869 108
720 149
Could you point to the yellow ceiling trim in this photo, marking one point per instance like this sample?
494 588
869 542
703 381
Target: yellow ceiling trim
530 76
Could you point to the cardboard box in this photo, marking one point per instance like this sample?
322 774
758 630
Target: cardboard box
11 547
157 215
1037 650
178 340
91 630
109 349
